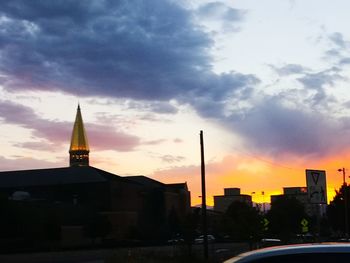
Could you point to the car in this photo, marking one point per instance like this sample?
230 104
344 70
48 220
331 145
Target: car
174 241
200 239
302 253
269 242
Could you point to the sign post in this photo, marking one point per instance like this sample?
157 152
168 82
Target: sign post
317 191
304 226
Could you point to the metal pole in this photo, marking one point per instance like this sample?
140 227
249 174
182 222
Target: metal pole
204 204
346 205
263 198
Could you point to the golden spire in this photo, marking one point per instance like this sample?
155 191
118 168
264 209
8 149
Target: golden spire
79 147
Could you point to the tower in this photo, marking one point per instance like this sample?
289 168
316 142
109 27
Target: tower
79 147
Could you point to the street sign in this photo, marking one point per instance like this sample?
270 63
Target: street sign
304 225
266 224
316 186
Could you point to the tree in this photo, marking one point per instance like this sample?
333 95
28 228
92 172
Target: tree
285 216
336 210
189 228
243 222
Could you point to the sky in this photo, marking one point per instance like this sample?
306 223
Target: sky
266 81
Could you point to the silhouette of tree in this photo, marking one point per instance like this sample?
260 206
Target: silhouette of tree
336 210
243 222
285 216
173 222
189 228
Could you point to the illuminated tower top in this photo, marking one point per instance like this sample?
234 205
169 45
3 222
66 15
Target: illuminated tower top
79 147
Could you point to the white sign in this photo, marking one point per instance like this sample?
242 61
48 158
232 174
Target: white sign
316 186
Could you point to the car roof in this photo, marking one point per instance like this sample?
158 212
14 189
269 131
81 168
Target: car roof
291 249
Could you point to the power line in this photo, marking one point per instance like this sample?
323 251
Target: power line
253 156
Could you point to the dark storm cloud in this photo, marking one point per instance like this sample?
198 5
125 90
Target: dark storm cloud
101 137
148 51
137 49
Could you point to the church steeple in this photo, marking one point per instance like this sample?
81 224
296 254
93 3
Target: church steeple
79 147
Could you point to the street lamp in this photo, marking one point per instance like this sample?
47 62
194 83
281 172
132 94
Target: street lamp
345 203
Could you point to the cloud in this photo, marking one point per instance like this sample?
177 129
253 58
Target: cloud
154 142
273 127
105 137
339 49
338 39
155 53
289 69
344 61
38 146
161 107
225 16
23 163
121 49
101 137
177 140
319 79
172 159
314 83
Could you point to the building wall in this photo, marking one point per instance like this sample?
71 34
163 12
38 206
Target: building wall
179 200
221 203
95 195
124 196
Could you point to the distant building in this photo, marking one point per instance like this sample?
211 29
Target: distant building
222 202
300 194
128 202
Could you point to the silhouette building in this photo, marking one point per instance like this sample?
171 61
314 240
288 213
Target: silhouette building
300 194
222 202
130 203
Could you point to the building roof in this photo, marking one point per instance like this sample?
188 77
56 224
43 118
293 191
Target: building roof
145 181
178 186
56 176
79 140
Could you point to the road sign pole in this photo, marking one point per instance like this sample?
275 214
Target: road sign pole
346 216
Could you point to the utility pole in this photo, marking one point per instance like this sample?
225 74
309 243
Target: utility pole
263 199
345 203
204 204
